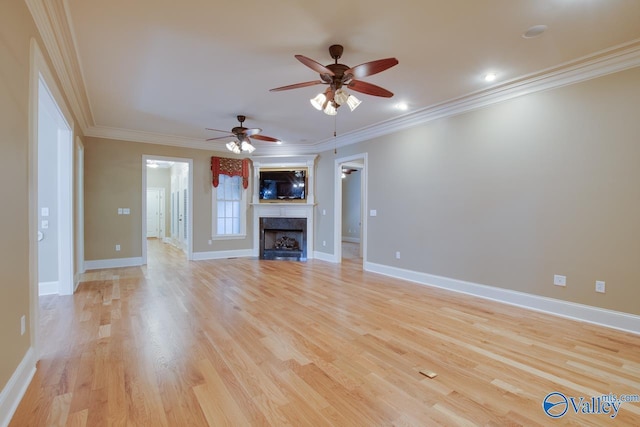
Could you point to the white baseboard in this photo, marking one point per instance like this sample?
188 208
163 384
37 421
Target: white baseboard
599 316
240 253
12 393
112 263
48 288
350 239
323 256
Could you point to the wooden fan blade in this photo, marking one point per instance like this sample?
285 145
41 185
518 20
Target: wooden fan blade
253 131
371 68
220 137
315 66
265 138
218 130
297 85
369 89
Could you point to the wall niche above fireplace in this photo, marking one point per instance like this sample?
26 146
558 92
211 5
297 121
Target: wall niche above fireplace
283 185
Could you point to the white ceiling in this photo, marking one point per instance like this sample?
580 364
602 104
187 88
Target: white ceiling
158 68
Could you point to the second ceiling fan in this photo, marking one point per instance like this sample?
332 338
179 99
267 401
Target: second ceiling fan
242 142
338 76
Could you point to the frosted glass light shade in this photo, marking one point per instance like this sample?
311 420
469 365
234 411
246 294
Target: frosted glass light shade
330 109
246 146
318 101
341 97
353 102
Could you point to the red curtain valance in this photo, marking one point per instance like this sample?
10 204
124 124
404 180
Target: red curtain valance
230 167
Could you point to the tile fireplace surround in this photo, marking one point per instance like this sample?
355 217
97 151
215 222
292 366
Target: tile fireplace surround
283 238
284 210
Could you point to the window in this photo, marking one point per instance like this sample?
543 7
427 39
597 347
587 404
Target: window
229 208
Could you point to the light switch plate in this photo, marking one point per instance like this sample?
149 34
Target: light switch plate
44 212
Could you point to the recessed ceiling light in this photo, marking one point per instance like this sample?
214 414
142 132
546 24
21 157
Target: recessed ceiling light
402 106
534 31
489 77
279 142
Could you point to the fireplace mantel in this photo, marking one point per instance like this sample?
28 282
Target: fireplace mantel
284 209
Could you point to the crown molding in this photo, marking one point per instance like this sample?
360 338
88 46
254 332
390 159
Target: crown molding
601 63
153 138
51 19
609 61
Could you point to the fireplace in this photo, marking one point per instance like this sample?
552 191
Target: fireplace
283 238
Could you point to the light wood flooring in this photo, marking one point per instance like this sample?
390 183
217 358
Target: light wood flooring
243 342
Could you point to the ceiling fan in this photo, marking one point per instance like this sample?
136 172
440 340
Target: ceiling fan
338 76
242 134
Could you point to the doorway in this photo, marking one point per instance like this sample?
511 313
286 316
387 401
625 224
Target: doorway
51 214
167 215
351 210
350 225
55 197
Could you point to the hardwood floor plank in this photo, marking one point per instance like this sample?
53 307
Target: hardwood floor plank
78 419
248 342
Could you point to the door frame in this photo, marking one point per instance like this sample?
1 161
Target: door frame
39 71
189 162
337 204
79 226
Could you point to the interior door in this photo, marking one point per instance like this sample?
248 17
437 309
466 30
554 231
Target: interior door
153 212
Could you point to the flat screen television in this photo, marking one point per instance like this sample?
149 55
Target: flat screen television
283 184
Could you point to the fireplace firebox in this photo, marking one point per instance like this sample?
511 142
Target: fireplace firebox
283 239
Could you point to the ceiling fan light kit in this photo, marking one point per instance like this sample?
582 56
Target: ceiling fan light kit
242 142
338 76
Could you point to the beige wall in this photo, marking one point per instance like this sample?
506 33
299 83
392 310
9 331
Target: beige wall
17 29
512 194
113 179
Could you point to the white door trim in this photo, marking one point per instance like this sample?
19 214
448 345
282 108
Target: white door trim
39 70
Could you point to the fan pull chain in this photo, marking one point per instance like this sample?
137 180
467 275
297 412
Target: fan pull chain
335 134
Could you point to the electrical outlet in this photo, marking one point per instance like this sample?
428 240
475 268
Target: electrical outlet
324 243
23 324
559 280
117 248
600 286
398 255
210 242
